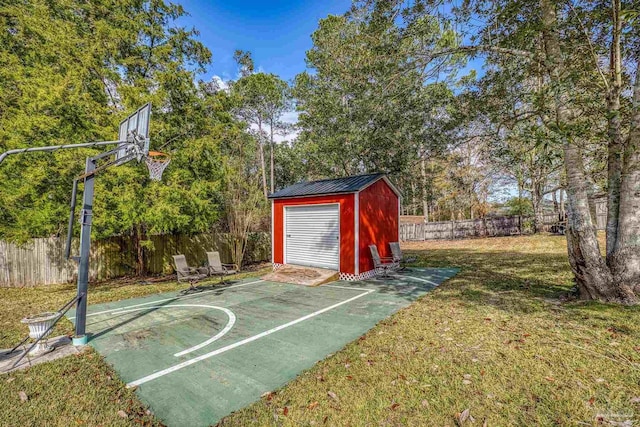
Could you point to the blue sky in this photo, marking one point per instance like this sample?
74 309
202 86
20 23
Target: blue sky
277 33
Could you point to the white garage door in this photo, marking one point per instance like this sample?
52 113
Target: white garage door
312 236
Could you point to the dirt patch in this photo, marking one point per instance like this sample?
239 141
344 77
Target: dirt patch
137 338
307 276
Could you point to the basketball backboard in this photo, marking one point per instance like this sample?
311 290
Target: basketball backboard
137 124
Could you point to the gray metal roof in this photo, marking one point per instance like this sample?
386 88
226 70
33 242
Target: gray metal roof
349 184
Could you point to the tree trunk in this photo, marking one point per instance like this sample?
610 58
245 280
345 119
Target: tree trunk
592 275
520 199
262 165
272 146
625 259
138 236
413 198
536 201
425 202
614 161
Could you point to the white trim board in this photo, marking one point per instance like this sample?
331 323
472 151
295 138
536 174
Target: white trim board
356 237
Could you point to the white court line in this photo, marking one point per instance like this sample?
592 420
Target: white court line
168 299
240 343
227 328
422 280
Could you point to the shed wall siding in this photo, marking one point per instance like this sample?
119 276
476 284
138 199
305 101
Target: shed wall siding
347 233
379 221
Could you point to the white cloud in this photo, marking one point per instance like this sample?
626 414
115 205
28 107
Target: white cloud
290 117
220 83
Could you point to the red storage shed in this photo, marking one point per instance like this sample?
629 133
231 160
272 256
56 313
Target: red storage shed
330 223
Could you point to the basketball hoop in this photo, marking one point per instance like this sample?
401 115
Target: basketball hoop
156 163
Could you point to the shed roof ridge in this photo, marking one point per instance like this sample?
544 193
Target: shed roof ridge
342 177
347 184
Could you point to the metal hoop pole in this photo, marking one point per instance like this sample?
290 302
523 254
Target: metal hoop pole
58 147
86 217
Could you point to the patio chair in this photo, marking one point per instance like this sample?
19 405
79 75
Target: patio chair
217 268
382 265
186 273
398 257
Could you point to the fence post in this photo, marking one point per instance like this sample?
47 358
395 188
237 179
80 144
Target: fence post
453 224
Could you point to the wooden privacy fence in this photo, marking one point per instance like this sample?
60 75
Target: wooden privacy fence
42 262
486 227
482 227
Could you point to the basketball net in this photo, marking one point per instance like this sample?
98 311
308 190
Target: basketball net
157 162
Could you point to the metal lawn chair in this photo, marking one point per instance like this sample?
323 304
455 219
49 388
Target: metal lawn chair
382 265
398 257
217 268
186 273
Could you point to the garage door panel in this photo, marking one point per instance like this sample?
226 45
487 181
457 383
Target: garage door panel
312 236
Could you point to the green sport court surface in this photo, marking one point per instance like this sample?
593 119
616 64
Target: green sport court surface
196 358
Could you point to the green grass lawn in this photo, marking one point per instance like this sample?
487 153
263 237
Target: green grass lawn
497 343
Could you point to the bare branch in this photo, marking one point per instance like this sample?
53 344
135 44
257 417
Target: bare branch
591 49
486 48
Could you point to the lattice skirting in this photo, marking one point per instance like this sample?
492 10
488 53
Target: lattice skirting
343 276
362 276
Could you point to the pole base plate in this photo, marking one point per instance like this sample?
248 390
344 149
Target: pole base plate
81 340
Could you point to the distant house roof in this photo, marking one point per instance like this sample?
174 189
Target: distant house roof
349 184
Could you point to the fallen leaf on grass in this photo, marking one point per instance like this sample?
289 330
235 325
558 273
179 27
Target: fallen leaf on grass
268 395
394 406
635 400
312 405
424 403
122 414
23 396
550 379
10 379
285 411
461 417
332 395
593 399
